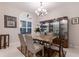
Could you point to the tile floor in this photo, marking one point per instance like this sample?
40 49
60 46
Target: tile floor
12 51
72 52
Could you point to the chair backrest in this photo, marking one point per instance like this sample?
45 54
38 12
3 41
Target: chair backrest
23 43
29 42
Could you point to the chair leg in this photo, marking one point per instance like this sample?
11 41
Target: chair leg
21 48
43 52
25 51
27 54
34 55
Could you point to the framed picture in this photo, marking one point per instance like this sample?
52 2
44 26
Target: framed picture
10 21
75 20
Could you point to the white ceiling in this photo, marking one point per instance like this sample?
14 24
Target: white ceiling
31 6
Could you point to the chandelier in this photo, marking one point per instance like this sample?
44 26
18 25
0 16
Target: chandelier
41 11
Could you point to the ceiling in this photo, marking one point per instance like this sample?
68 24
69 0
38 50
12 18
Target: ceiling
31 6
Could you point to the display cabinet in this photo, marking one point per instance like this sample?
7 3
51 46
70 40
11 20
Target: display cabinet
64 30
59 27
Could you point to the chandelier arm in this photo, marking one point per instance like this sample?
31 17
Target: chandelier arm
41 11
40 3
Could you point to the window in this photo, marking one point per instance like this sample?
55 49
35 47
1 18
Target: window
25 27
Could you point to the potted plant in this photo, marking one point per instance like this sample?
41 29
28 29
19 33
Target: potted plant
37 31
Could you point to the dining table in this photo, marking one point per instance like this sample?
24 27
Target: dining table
44 40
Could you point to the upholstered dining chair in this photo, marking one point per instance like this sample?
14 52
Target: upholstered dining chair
23 43
32 47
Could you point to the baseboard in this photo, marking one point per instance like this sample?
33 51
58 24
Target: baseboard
73 46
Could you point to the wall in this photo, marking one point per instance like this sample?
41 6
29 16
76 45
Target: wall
8 10
70 10
64 9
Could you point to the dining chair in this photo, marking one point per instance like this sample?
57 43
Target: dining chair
23 43
62 51
33 47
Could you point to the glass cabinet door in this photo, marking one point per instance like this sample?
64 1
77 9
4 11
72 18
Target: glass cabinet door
44 27
56 28
64 28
